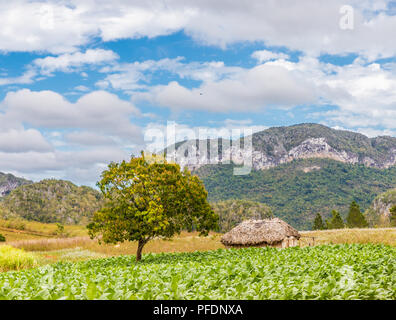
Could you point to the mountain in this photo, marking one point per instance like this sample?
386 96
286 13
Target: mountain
279 145
298 170
379 212
53 200
233 212
8 182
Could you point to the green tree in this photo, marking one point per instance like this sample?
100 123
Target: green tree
336 221
393 216
2 238
318 223
355 218
148 197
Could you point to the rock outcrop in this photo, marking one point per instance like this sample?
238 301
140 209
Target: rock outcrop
9 182
276 146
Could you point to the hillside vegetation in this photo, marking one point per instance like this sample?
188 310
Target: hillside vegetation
233 212
378 214
53 201
296 191
274 140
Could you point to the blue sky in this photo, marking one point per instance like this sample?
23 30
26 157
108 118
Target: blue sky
81 82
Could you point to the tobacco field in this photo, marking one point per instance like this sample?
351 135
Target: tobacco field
321 272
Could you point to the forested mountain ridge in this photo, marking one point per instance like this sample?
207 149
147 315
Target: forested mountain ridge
279 145
53 200
297 190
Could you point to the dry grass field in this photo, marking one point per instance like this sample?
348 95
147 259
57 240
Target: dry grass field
362 236
41 240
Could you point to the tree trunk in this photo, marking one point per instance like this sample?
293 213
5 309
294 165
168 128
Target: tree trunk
141 244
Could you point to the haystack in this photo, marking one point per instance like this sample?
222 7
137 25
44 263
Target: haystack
260 233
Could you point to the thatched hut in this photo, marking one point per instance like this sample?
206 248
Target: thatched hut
261 233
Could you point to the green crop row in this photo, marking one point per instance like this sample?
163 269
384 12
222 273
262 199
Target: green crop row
322 272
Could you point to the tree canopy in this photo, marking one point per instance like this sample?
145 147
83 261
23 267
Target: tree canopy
318 223
355 218
393 216
147 198
336 221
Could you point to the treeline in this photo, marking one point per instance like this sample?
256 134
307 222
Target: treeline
355 219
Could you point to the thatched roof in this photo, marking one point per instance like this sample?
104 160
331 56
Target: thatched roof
257 232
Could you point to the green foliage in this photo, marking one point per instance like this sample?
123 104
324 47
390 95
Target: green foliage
355 218
296 196
54 201
377 213
393 216
318 223
15 259
233 212
2 238
338 272
336 221
60 230
147 199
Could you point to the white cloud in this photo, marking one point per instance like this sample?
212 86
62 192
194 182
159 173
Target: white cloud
18 141
63 164
25 78
133 76
88 139
69 62
78 140
266 55
98 110
266 85
310 26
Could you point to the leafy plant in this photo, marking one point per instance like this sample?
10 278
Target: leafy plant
147 199
2 238
16 259
338 272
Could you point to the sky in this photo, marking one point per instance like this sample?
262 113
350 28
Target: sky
83 82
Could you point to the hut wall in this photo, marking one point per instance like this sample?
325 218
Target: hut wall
289 242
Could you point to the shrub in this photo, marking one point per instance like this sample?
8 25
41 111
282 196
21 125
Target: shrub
16 259
2 238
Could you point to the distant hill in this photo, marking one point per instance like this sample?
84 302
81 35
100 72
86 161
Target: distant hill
53 201
379 212
279 145
233 212
298 170
297 190
9 182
